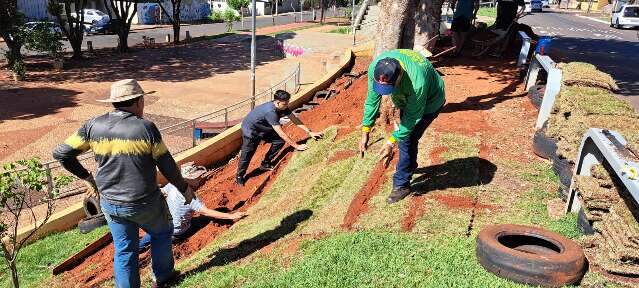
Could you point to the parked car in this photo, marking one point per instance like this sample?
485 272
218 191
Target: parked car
528 7
92 16
536 6
545 3
625 16
101 27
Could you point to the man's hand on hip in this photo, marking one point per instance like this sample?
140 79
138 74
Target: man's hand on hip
92 189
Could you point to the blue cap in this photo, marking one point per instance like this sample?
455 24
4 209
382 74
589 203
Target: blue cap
387 72
383 89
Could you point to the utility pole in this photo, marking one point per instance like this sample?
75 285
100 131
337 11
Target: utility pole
253 48
301 11
353 22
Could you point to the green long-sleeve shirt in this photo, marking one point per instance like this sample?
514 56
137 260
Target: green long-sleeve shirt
420 92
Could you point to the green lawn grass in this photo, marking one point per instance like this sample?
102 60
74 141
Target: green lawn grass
341 30
487 12
36 261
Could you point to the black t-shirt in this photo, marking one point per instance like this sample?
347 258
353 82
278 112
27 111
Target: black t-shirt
261 120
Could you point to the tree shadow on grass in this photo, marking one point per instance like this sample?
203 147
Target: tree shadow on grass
247 247
457 173
30 103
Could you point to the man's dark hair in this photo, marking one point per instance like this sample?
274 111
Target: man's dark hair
126 103
282 95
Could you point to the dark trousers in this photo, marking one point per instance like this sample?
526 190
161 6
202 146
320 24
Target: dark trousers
249 146
408 152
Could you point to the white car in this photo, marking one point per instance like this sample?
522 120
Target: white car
528 7
625 16
545 3
93 16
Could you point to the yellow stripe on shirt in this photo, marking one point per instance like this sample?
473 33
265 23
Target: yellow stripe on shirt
76 142
120 146
159 150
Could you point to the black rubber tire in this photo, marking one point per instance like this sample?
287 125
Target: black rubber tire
536 95
530 255
584 225
87 225
564 169
543 146
91 206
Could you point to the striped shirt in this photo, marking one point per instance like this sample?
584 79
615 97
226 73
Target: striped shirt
180 212
127 150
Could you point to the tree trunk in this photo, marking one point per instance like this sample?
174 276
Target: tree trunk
123 37
14 274
427 18
14 51
323 8
176 22
392 22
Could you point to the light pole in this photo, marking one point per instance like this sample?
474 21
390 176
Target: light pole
353 22
253 48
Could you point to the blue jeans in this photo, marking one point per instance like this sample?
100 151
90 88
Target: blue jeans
408 152
125 220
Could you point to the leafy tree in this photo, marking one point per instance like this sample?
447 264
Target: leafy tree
19 182
11 23
72 27
43 38
122 12
174 18
238 4
230 16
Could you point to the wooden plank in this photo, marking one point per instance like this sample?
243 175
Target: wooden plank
72 261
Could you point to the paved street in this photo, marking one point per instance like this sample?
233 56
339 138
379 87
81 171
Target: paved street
580 39
106 41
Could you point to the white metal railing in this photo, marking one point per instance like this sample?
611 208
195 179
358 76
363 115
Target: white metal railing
603 146
553 84
525 48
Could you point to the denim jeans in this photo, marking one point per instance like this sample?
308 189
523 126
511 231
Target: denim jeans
408 152
125 220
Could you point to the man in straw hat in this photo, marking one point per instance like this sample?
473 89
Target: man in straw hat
128 149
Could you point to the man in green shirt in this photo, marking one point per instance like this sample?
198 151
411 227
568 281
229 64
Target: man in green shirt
417 90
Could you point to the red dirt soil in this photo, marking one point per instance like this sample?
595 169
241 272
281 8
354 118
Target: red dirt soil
359 204
221 191
415 211
341 155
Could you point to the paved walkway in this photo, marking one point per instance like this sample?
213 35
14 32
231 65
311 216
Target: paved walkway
189 81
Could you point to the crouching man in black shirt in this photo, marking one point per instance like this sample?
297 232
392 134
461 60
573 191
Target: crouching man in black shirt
263 124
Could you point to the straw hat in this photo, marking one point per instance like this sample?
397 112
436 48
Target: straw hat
124 90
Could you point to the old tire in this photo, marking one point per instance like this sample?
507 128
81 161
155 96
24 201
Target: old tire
543 146
87 225
91 206
530 255
536 95
563 168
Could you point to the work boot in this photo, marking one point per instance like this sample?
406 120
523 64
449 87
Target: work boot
398 194
240 180
267 167
168 283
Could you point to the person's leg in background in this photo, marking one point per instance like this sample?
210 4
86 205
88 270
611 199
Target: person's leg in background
125 241
249 145
157 223
276 145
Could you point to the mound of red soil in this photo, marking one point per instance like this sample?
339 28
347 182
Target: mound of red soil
222 193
